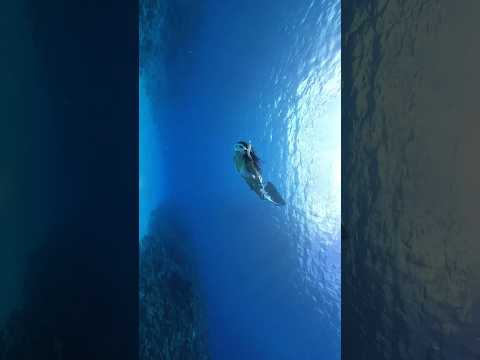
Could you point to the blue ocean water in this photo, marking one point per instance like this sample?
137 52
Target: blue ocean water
214 73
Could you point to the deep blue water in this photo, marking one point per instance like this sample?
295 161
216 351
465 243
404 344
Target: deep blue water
269 72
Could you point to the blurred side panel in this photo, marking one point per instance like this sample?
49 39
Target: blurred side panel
68 180
410 202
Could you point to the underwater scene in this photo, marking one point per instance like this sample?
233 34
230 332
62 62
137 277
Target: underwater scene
240 179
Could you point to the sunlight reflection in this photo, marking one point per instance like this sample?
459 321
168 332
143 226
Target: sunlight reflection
314 147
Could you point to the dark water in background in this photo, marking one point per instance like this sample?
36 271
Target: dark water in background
25 180
68 178
214 73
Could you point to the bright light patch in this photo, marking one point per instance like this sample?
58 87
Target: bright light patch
314 143
150 182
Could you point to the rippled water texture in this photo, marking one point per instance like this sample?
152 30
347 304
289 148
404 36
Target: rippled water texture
267 278
410 112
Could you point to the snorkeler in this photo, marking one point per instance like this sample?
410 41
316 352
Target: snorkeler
247 164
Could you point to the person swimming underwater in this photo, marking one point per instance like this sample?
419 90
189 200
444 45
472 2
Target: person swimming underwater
247 164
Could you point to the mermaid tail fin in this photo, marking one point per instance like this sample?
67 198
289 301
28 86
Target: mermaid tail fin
273 195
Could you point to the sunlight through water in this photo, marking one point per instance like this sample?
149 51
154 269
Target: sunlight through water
306 103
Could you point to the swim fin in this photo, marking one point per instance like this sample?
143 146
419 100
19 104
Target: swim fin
274 195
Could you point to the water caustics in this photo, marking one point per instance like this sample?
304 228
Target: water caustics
304 127
225 275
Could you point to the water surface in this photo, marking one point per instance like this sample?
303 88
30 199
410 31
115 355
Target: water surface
268 278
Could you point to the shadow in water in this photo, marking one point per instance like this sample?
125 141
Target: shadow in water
171 325
74 301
